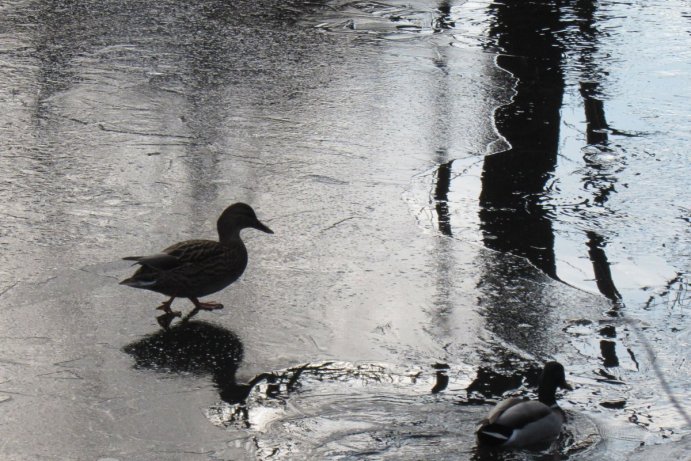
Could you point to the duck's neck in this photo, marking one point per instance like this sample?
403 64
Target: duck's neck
228 236
547 394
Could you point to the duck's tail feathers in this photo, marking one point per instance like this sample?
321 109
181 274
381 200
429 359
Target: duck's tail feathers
493 435
136 283
160 261
136 259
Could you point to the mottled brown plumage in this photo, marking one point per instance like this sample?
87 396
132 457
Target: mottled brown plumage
196 268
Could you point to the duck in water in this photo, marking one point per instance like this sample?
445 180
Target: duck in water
523 423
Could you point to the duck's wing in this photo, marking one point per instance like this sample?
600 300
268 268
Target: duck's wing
197 251
516 422
180 258
152 266
189 251
491 433
160 261
520 415
189 268
500 408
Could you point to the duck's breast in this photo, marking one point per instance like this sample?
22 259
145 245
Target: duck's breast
222 271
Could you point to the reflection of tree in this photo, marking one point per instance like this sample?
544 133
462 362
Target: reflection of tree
441 133
603 181
677 289
441 195
596 176
603 274
597 129
441 128
512 218
444 21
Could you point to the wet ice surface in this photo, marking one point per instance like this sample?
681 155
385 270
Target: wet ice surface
365 135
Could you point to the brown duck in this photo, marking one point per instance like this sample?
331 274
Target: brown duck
196 268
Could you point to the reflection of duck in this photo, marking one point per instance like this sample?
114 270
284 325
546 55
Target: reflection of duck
196 268
195 347
521 423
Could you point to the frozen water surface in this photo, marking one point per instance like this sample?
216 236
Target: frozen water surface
459 191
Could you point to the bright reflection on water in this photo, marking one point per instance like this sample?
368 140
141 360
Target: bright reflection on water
459 190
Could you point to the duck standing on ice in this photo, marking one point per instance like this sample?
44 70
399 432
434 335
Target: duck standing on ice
196 268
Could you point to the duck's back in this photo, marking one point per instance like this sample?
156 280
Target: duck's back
523 413
193 268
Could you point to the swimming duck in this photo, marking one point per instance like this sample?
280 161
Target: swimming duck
523 423
196 268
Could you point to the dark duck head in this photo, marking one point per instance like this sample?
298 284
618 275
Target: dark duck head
235 218
553 377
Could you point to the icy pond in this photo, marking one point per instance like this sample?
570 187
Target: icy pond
459 190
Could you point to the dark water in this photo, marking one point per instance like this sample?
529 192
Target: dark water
459 190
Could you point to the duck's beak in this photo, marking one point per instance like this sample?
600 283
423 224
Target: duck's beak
259 226
567 386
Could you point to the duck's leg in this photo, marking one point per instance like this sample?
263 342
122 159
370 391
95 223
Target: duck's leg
165 307
207 306
200 306
168 314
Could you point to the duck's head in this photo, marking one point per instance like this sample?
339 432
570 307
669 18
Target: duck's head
236 217
553 377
